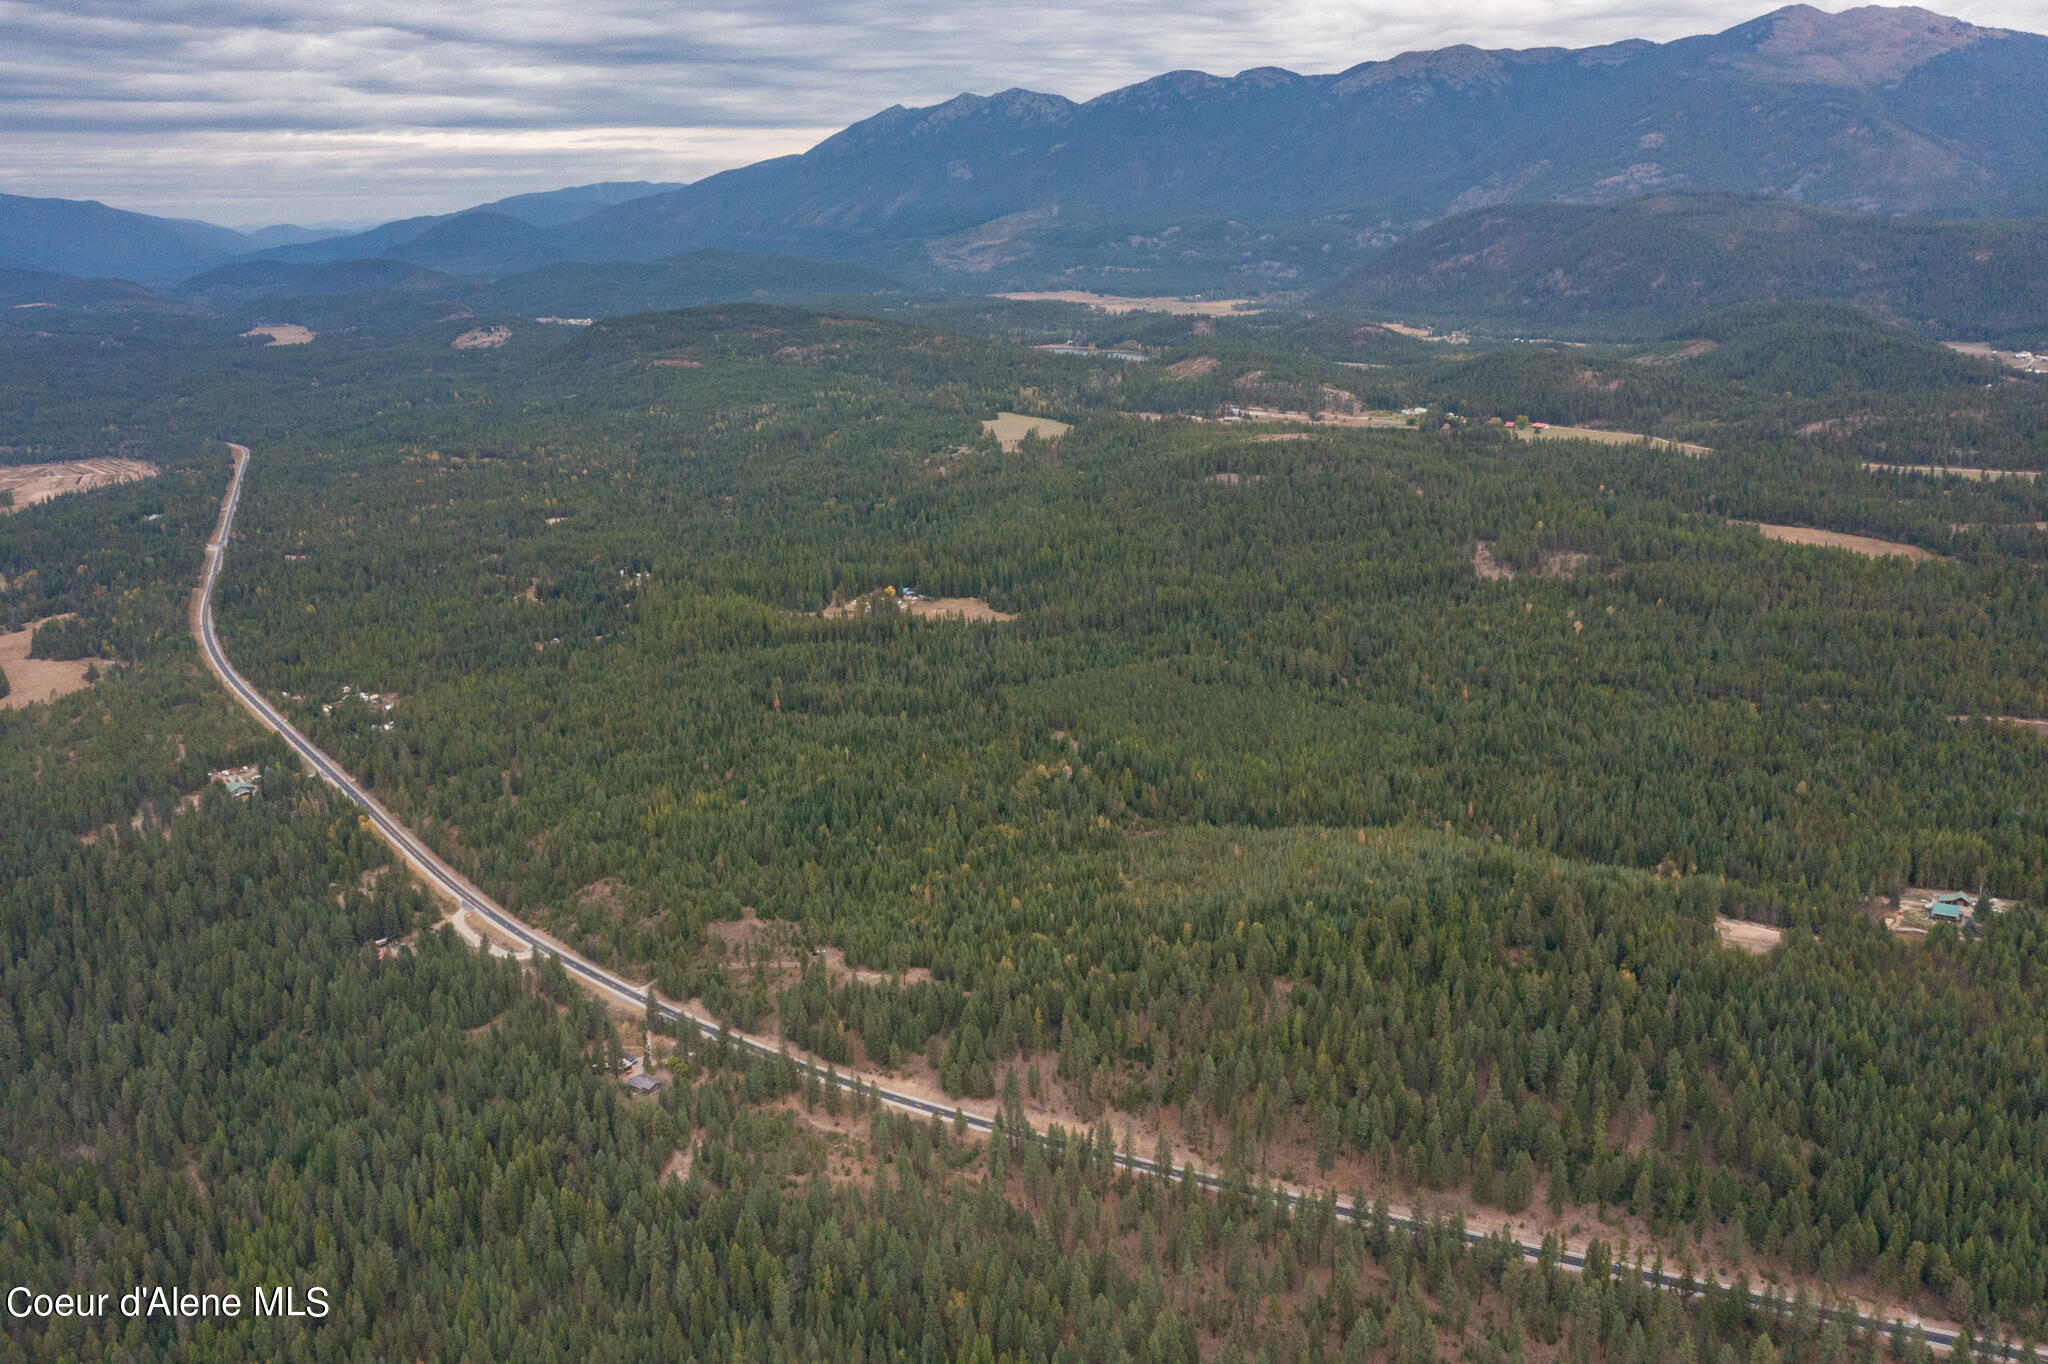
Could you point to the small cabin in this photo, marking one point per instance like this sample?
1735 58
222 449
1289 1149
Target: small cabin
642 1084
1951 908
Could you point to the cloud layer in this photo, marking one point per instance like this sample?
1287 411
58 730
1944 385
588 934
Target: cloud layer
249 111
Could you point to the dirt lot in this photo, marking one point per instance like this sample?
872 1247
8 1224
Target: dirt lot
1119 303
1855 544
937 608
1611 438
482 338
33 483
30 680
2031 364
1194 367
285 334
1940 470
1010 428
958 608
1745 936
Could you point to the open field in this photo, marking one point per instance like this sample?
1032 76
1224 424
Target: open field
1855 544
482 338
932 608
33 483
2024 361
30 680
1744 936
1945 470
284 334
1610 438
1010 428
1119 303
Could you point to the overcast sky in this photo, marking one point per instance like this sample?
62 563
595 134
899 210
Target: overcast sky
260 111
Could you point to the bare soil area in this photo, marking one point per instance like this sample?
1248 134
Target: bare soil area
284 334
1744 936
936 608
482 338
2026 363
30 680
1855 544
32 483
1010 429
1557 564
958 608
1194 367
1119 303
1610 438
1488 567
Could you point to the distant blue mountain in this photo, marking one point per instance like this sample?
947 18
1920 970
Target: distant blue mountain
548 209
88 240
1270 175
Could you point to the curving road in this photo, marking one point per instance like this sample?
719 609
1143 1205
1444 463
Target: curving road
458 887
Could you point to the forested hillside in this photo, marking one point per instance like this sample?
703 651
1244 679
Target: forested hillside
1632 269
1358 808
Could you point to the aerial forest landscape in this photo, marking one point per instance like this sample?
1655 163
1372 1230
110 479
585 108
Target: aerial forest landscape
668 692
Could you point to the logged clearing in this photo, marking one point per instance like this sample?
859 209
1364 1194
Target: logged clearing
1193 367
2020 360
33 483
957 608
1855 544
1941 470
284 334
30 680
940 608
1744 936
1610 438
482 338
1010 428
1119 303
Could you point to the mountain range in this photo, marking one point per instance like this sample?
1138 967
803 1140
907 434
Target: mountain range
1271 181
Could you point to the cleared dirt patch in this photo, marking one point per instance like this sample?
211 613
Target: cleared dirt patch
2020 360
482 338
284 334
1272 436
837 971
1120 303
2017 722
33 483
1488 567
1855 544
30 680
1744 936
1010 429
937 608
1231 478
1950 470
1194 367
677 364
1610 438
1561 563
957 608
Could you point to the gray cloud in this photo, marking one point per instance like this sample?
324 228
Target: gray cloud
264 110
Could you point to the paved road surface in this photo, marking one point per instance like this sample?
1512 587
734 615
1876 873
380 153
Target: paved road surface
459 889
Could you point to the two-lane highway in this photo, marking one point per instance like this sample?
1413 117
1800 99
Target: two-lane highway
459 889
